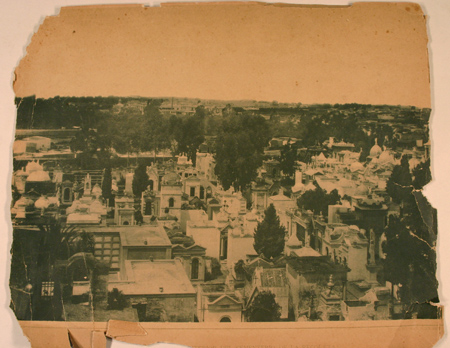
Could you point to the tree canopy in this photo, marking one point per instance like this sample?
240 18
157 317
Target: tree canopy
269 235
264 308
190 133
239 150
155 128
410 262
34 261
116 300
140 180
288 158
107 183
399 184
318 200
410 239
421 175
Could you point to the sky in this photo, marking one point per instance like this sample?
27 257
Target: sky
289 54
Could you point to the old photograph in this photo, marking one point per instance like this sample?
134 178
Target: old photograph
239 172
191 210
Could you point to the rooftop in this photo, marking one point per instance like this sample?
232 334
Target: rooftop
273 277
160 277
313 264
306 252
213 288
145 235
201 224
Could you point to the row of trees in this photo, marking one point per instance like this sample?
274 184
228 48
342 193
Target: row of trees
239 146
35 112
107 124
132 131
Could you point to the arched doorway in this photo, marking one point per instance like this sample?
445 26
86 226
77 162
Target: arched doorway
225 320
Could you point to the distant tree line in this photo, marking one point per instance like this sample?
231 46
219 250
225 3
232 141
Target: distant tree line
130 125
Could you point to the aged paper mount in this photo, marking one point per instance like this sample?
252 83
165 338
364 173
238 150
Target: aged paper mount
391 86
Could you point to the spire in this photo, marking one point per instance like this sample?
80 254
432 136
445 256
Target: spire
87 185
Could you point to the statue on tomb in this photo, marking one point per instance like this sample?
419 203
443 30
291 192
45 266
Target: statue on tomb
330 285
76 190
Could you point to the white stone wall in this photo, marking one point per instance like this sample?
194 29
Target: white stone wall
216 316
207 237
357 260
238 248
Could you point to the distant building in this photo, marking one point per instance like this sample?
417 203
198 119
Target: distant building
283 204
89 209
217 303
206 234
193 186
371 214
374 305
347 246
234 203
192 259
205 164
260 194
171 191
240 240
195 215
117 244
124 211
272 168
159 286
307 276
31 144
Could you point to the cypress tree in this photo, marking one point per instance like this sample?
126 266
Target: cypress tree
107 183
140 180
269 235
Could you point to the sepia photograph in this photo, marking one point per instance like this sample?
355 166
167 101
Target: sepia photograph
245 164
190 210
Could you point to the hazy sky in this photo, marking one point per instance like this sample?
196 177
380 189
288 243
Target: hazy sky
365 53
